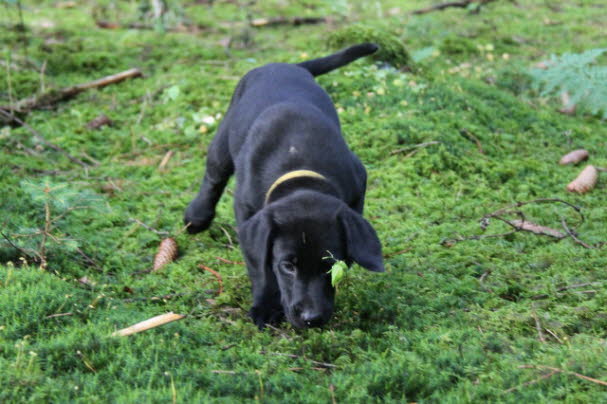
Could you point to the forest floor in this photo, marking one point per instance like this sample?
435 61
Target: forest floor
450 128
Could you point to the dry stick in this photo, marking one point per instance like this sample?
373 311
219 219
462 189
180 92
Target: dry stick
58 315
53 97
556 337
10 118
470 136
538 327
270 22
216 275
416 146
533 228
139 222
149 323
569 372
229 261
572 234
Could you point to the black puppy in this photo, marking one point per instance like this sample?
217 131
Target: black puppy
300 190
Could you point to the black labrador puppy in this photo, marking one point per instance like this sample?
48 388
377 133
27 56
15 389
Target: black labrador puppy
300 191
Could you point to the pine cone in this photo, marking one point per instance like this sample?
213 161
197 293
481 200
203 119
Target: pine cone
167 252
585 181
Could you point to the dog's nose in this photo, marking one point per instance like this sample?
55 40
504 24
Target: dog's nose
311 318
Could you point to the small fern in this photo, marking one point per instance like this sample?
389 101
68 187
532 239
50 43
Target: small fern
578 75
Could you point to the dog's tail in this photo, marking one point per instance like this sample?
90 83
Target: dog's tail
343 57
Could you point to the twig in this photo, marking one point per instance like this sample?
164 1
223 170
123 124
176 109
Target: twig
59 315
574 237
395 253
538 327
216 275
154 298
149 323
558 370
165 160
534 228
414 147
293 356
9 117
230 244
16 247
270 22
556 337
52 97
139 222
470 136
229 261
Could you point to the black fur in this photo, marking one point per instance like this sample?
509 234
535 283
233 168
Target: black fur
280 120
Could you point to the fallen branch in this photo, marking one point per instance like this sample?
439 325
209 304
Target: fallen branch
568 372
538 327
53 97
229 261
148 324
216 275
575 238
296 21
58 315
535 228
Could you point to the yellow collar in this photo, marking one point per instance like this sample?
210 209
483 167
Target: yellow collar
290 175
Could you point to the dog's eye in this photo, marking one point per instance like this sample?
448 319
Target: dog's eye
288 267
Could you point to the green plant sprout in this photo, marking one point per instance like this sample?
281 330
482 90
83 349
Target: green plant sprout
337 271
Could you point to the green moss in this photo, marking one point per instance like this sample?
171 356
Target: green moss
392 49
447 322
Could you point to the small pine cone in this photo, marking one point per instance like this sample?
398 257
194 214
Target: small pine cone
167 252
574 157
585 181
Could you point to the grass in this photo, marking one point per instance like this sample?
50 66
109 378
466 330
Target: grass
448 321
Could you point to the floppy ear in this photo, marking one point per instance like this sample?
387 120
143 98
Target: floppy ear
255 236
363 245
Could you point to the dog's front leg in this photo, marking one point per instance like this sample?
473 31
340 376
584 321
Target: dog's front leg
267 308
219 167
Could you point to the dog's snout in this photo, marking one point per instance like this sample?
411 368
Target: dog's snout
312 318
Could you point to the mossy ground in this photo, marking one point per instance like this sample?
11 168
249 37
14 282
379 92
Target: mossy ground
447 322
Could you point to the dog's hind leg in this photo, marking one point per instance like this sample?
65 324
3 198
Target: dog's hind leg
219 167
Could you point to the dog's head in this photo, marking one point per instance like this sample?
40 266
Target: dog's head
288 243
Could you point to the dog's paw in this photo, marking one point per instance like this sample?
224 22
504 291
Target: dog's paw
196 223
266 315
